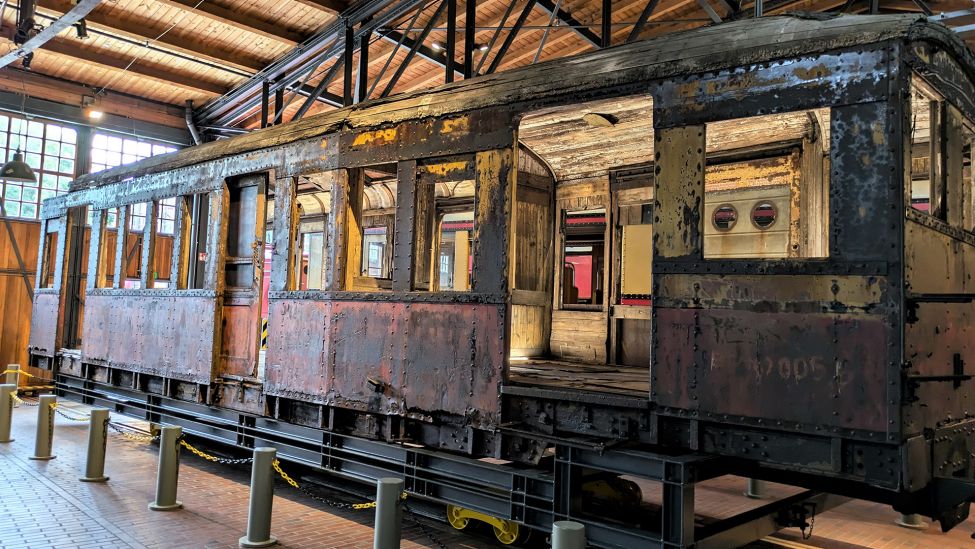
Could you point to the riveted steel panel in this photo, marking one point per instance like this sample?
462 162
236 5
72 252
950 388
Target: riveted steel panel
168 334
44 324
815 369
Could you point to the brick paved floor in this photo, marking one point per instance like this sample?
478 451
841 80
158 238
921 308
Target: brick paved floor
42 504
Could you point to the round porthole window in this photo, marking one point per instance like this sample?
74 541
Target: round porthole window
724 217
763 215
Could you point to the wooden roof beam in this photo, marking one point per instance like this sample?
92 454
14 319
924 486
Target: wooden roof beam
135 31
153 72
330 6
238 20
71 93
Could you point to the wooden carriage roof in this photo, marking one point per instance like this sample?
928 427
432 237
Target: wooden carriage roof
722 46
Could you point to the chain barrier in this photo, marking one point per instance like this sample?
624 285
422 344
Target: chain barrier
21 372
213 458
358 506
330 502
131 436
55 407
23 401
423 527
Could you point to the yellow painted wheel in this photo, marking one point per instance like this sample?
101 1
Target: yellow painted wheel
456 518
507 533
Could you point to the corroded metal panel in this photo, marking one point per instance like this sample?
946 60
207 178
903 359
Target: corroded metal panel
297 349
44 324
414 359
808 368
152 331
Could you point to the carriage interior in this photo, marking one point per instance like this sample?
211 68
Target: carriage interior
766 198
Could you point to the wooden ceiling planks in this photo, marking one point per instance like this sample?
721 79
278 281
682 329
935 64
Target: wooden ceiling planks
209 47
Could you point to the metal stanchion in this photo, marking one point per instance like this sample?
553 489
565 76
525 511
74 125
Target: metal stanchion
13 374
912 521
45 427
167 475
756 489
262 496
389 514
97 438
568 534
6 410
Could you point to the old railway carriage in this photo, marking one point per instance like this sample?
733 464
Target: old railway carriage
470 270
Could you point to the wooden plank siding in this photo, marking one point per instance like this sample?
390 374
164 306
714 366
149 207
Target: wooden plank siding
15 304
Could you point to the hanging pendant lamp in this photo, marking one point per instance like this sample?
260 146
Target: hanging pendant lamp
18 170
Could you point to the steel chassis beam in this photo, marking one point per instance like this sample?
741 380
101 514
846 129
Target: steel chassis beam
533 497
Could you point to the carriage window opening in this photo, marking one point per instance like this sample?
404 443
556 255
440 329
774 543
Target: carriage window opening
311 256
314 206
766 186
50 256
636 236
195 246
584 240
106 268
137 216
763 215
162 251
724 217
444 225
375 243
371 260
927 177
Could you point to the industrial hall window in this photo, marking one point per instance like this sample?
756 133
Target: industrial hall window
109 151
584 243
49 149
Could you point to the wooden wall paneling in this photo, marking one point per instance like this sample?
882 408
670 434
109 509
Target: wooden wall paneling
15 303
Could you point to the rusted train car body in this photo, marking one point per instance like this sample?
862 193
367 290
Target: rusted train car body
845 359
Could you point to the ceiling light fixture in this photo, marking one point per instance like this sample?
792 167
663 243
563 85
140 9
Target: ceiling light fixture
94 115
16 169
436 46
481 47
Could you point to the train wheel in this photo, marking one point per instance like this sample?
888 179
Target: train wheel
507 532
456 518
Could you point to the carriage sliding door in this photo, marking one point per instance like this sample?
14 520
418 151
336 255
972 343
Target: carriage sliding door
243 275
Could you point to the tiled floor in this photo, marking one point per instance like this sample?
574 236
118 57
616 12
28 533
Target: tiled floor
42 504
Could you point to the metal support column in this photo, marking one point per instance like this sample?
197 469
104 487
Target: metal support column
678 514
362 75
470 37
347 55
606 34
265 102
451 47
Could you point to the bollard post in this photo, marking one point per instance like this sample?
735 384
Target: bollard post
13 374
389 514
167 475
262 496
568 534
6 410
756 489
45 428
97 439
912 521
